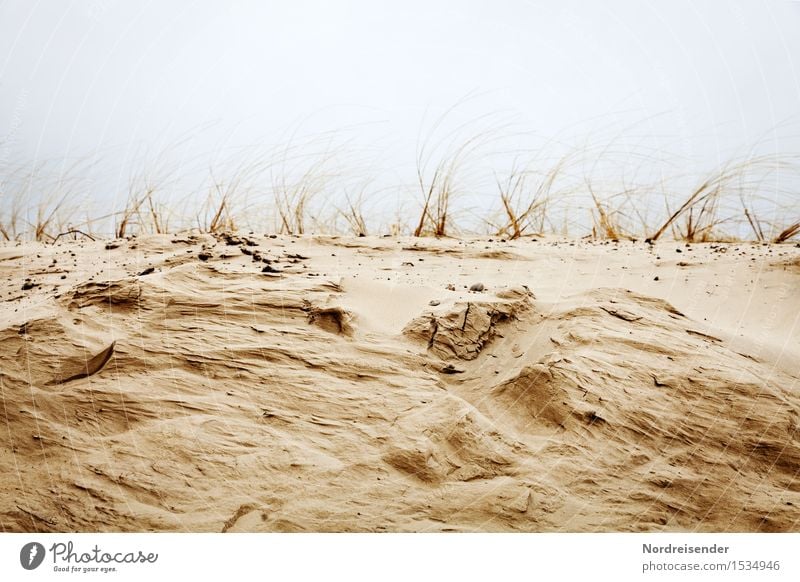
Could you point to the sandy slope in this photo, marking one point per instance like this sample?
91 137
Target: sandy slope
169 383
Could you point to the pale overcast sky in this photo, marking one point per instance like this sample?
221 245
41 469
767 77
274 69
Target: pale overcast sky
116 77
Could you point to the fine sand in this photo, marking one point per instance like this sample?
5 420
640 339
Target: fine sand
253 383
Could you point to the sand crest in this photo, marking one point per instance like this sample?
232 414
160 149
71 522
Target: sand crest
171 383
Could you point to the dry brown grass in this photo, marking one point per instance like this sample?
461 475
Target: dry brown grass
221 218
439 190
353 213
754 223
787 233
127 217
604 219
218 214
525 194
11 219
297 179
15 188
61 189
700 210
440 165
46 218
143 212
301 188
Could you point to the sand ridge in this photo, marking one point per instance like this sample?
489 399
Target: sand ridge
276 383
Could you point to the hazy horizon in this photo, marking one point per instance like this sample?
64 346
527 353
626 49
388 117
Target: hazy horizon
654 91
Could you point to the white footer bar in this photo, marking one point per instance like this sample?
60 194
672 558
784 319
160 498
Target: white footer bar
374 557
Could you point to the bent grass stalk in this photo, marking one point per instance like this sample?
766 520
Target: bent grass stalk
353 213
787 233
439 182
525 207
700 208
299 179
529 197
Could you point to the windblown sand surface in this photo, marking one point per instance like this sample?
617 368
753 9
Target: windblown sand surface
253 383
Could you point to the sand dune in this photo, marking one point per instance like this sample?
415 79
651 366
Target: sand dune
262 383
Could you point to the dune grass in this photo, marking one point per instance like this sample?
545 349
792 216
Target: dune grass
40 201
353 212
444 159
302 188
699 212
525 193
294 195
605 220
787 233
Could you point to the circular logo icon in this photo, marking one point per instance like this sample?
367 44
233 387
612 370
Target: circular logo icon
31 555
